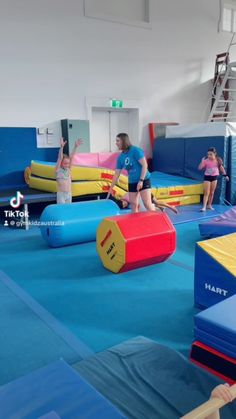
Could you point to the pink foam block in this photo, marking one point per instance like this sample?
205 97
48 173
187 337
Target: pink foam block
86 159
107 160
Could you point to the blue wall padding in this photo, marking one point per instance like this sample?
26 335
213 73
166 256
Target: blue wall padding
18 146
168 156
196 149
209 278
78 222
231 192
182 156
55 388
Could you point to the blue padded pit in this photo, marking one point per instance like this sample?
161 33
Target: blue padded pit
55 389
219 320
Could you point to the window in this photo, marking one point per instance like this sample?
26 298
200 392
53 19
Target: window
228 16
129 12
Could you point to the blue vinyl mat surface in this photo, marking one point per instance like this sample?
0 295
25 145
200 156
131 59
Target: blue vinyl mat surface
190 213
161 180
148 380
30 337
56 388
97 307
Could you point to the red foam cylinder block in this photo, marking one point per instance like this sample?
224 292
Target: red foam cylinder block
132 241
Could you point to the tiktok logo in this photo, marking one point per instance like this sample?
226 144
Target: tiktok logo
16 200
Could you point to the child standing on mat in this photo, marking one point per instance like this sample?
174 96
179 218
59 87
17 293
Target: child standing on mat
213 166
63 175
133 160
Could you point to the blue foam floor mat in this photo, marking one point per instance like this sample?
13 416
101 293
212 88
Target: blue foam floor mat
190 213
100 308
56 388
30 336
147 380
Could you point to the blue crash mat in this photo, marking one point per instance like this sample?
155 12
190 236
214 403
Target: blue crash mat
189 213
215 342
147 380
219 320
51 392
161 180
221 225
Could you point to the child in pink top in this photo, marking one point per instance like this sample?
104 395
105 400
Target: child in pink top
213 166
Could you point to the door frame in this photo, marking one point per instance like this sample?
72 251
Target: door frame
133 115
131 106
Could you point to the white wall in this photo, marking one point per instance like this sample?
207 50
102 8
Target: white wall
53 58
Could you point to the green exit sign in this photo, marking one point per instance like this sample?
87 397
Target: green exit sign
115 103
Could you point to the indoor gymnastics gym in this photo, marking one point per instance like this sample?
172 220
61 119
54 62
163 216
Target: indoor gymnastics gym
105 313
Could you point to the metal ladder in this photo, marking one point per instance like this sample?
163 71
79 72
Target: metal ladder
223 99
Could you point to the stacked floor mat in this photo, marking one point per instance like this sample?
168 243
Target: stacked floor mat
175 190
215 334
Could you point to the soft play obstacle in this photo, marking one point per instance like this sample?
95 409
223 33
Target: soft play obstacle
54 391
219 226
85 180
175 190
215 330
62 225
215 270
135 240
170 186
